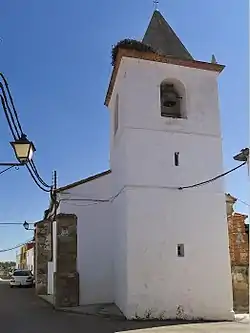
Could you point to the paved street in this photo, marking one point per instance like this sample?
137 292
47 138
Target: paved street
21 311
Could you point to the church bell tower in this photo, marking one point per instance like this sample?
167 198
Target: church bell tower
171 238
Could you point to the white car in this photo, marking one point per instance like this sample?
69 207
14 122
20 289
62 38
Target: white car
22 277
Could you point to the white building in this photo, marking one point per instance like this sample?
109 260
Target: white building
30 259
154 248
18 260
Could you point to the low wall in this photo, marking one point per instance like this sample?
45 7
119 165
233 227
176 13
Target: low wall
240 281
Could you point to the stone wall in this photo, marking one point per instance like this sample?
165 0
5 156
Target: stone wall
240 288
66 279
239 254
238 240
42 255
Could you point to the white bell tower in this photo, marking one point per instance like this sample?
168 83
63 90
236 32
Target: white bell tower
171 238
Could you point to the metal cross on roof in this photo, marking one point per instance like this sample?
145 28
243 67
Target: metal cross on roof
156 3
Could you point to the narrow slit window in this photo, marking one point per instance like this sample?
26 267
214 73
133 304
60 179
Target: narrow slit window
180 250
176 158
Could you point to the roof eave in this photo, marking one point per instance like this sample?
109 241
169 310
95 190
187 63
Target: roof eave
83 181
151 56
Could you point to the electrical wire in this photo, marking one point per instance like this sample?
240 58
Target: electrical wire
11 122
243 202
96 201
36 177
212 179
10 167
12 102
84 205
9 110
15 247
36 181
11 223
7 117
34 169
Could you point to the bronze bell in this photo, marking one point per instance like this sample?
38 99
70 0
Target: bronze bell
170 100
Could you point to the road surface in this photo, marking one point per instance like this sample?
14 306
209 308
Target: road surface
22 311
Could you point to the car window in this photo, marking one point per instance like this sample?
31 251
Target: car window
21 273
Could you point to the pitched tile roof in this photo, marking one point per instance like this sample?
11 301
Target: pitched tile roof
163 39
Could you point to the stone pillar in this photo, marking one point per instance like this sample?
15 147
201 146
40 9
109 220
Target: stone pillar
42 254
66 279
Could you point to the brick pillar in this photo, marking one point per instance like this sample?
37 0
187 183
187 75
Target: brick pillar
42 254
66 280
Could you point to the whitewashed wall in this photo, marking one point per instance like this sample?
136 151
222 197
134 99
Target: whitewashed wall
153 216
94 237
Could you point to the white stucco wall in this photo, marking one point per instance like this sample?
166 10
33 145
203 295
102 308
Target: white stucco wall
30 259
157 217
95 239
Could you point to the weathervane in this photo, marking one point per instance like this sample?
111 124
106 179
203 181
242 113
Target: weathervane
156 3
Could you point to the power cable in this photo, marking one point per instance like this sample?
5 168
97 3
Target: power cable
167 187
34 169
11 223
15 247
12 102
9 110
212 179
243 202
7 118
10 167
83 205
36 181
37 178
11 122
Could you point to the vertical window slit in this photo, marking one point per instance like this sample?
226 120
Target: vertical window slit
176 158
180 250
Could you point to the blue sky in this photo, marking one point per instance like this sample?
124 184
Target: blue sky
56 56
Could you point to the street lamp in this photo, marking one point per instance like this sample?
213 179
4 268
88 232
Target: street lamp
243 156
26 226
24 150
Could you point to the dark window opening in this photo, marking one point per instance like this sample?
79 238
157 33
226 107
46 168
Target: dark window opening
170 101
176 159
180 250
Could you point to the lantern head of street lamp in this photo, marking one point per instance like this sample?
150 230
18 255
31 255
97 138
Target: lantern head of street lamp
243 156
24 149
26 225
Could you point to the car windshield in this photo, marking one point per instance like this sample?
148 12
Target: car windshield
21 273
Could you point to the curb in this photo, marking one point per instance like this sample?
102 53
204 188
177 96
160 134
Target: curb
100 315
46 301
68 310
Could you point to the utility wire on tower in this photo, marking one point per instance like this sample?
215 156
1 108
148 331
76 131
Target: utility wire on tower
180 188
